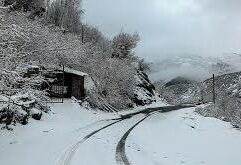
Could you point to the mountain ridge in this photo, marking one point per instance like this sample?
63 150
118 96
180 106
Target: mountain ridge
195 67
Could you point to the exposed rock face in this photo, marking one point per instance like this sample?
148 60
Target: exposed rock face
19 108
145 90
36 114
6 116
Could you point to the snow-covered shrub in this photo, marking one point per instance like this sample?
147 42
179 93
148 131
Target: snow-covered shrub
230 112
115 82
21 105
65 14
21 97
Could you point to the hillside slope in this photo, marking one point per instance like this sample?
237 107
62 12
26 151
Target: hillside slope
228 98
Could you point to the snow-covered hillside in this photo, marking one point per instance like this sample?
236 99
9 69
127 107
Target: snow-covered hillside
228 98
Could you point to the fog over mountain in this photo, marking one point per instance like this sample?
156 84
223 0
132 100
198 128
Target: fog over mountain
171 27
180 37
195 67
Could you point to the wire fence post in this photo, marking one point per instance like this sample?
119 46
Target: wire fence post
63 86
82 34
214 95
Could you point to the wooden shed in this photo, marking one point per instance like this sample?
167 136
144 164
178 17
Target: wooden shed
69 83
74 83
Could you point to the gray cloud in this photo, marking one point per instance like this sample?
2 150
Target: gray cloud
171 27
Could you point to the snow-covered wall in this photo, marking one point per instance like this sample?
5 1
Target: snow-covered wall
88 83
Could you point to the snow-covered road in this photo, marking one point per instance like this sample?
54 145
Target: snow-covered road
74 136
184 138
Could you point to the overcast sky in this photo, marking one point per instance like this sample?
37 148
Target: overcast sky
171 27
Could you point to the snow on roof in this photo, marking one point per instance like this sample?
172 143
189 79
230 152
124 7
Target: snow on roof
32 66
76 72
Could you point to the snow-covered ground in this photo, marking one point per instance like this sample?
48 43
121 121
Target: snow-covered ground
178 137
42 142
184 138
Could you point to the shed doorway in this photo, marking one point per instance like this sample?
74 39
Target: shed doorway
74 83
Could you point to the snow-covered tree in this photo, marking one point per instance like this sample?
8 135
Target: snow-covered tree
123 44
65 14
35 7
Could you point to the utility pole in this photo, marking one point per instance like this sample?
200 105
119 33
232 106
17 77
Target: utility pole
82 34
214 96
63 83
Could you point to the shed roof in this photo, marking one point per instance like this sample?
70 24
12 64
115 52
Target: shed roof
76 72
33 66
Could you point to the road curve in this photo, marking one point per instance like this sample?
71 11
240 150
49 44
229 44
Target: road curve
68 155
121 157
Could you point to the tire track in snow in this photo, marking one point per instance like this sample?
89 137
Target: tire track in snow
121 157
94 123
68 155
